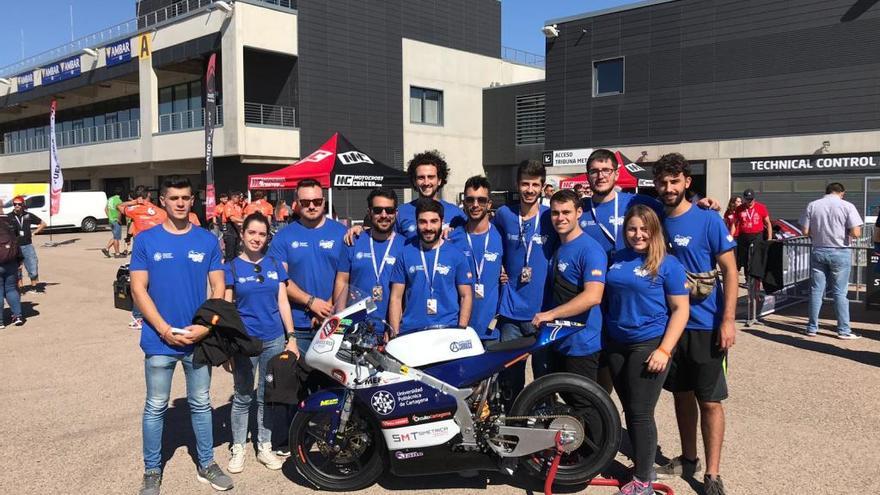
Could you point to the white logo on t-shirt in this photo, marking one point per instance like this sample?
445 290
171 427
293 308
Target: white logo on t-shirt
162 256
326 244
490 257
640 272
272 275
616 221
562 266
411 228
299 244
681 240
616 266
729 238
443 269
196 257
390 260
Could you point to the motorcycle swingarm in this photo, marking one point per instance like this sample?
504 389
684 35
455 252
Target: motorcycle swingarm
531 440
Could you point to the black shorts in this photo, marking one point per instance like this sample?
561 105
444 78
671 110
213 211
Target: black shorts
743 244
699 366
586 366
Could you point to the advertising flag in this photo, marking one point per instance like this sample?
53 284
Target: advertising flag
210 118
56 179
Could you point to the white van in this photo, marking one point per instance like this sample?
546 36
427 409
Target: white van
83 209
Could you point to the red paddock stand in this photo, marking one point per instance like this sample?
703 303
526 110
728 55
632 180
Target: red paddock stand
551 475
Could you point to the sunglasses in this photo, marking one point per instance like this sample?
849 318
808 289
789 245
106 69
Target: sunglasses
17 204
388 210
305 203
482 200
258 269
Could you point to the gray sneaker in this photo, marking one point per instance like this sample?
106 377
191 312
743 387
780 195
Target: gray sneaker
713 486
678 467
215 477
152 482
848 336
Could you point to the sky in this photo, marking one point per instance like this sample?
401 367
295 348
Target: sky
41 25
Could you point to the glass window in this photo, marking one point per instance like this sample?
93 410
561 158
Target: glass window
181 98
166 95
426 106
776 186
853 185
741 185
608 77
35 201
810 185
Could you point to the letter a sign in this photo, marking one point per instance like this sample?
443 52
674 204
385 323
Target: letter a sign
144 48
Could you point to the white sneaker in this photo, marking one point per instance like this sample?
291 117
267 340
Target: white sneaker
236 462
267 457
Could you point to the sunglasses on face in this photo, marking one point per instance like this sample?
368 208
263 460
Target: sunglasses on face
305 203
482 200
388 210
17 204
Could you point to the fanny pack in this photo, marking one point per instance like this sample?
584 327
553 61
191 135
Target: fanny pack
701 284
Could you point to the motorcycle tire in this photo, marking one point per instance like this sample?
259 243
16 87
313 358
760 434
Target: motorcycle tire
315 467
601 424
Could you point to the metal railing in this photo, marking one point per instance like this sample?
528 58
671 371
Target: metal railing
271 115
285 4
130 129
170 12
185 120
522 57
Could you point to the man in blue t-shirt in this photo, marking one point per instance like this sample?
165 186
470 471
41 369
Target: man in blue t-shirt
171 266
367 265
431 283
481 243
310 249
575 285
529 241
697 378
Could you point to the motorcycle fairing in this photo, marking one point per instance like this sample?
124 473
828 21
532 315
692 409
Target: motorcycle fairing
402 399
329 399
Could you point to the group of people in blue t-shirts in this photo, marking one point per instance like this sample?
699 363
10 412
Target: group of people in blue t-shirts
653 282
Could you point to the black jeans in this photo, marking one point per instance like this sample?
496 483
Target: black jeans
639 391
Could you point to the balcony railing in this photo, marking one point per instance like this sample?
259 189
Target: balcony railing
522 57
269 115
170 12
130 129
186 120
285 4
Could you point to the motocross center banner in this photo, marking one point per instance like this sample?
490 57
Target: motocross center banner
210 118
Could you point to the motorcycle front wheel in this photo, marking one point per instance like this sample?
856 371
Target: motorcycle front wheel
355 462
567 394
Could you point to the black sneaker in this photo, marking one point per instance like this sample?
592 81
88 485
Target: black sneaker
106 252
17 320
152 482
713 486
215 477
678 467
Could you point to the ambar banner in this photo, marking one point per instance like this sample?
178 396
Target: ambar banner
807 164
118 53
60 71
25 82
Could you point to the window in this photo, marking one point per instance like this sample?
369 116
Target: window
530 119
35 202
810 185
77 185
608 77
776 186
425 106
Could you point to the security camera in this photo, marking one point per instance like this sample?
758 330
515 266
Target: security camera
222 5
550 31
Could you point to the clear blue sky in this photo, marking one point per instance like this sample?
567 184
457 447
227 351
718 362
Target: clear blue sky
46 23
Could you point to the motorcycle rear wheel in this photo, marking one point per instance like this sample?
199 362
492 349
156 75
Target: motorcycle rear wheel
357 465
574 395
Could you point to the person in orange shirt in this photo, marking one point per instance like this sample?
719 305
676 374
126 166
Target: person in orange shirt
234 216
259 204
218 221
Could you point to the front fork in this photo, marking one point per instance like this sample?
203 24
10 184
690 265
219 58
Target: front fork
337 425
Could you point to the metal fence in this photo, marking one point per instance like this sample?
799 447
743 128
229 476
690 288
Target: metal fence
187 119
130 129
270 115
170 12
285 4
522 57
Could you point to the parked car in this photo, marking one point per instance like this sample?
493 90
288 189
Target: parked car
79 209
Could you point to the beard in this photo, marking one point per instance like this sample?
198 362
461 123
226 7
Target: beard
673 201
429 236
384 230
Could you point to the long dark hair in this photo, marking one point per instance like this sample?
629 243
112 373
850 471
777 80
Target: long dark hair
259 218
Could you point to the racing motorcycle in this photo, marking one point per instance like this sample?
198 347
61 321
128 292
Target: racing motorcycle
429 402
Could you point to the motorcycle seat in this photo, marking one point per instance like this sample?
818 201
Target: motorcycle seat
511 345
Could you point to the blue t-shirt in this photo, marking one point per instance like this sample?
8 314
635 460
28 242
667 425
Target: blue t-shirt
521 301
452 271
611 220
485 308
580 261
636 301
257 301
406 218
312 257
177 267
357 261
697 237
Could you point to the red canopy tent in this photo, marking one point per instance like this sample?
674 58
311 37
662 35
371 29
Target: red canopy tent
625 180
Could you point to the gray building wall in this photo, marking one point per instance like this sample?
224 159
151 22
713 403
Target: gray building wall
499 125
700 70
350 67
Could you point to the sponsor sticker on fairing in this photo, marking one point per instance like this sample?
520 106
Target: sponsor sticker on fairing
329 327
408 455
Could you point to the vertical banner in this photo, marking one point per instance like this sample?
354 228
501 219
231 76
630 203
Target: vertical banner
210 118
55 176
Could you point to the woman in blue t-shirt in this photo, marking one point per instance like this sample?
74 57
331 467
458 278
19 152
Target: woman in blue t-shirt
257 284
647 309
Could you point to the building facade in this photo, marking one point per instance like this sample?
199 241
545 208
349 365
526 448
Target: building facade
395 77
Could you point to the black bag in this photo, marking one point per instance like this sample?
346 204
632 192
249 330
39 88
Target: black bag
122 289
9 250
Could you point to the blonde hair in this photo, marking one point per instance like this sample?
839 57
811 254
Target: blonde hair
656 243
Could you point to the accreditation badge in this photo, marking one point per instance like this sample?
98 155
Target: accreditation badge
525 276
377 293
479 291
432 306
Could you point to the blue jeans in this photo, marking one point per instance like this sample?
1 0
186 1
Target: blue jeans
9 280
243 377
158 370
30 261
513 379
303 338
832 266
116 229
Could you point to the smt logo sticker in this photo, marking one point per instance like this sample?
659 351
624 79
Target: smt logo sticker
383 402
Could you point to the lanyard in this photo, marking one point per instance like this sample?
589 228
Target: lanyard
750 215
378 271
20 221
612 238
479 266
522 235
425 268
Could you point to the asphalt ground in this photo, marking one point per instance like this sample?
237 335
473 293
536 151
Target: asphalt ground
803 414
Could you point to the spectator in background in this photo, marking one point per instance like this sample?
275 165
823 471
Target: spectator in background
217 222
233 216
282 214
548 193
143 215
259 204
10 256
113 218
831 222
729 214
22 221
751 220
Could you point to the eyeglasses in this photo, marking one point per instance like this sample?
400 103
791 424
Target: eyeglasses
17 204
482 200
318 202
388 210
257 270
601 171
